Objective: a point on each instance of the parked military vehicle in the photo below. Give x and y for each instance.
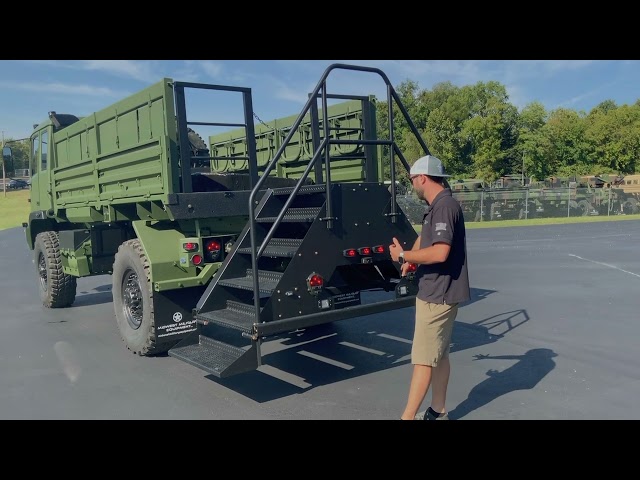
(512, 197)
(503, 199)
(509, 198)
(214, 248)
(563, 196)
(588, 195)
(627, 190)
(470, 193)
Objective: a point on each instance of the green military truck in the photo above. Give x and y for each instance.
(212, 249)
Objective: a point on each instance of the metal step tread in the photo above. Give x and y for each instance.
(278, 247)
(218, 358)
(267, 281)
(242, 308)
(306, 214)
(229, 318)
(305, 189)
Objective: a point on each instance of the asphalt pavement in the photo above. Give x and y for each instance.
(550, 333)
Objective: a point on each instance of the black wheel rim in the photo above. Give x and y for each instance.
(42, 271)
(132, 299)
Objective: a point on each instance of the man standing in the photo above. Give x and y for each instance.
(441, 255)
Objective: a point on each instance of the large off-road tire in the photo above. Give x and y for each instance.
(57, 289)
(198, 148)
(133, 299)
(630, 206)
(585, 207)
(493, 212)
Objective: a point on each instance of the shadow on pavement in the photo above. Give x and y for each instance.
(525, 374)
(96, 296)
(331, 353)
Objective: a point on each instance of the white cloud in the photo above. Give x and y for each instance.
(213, 69)
(135, 69)
(430, 68)
(521, 69)
(517, 96)
(562, 65)
(583, 96)
(138, 70)
(63, 88)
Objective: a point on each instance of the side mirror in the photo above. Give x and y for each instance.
(7, 162)
(6, 154)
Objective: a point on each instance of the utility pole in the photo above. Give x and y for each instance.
(4, 178)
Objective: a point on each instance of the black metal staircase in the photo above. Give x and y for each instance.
(295, 234)
(229, 299)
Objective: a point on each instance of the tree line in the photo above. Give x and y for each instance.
(478, 133)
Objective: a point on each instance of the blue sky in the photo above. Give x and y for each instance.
(31, 88)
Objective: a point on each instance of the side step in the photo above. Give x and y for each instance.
(217, 358)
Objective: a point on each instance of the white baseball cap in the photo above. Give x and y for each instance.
(428, 165)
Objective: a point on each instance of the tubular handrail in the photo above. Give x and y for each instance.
(321, 90)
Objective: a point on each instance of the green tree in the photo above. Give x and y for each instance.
(565, 132)
(614, 137)
(532, 145)
(490, 131)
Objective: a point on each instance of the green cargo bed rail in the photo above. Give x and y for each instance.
(354, 119)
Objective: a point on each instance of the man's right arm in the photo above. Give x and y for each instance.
(405, 266)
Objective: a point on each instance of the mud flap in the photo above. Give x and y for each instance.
(173, 312)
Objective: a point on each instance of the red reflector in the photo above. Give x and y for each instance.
(412, 267)
(378, 249)
(213, 246)
(190, 246)
(315, 281)
(196, 259)
(365, 251)
(350, 252)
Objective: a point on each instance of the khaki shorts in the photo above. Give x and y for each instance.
(432, 335)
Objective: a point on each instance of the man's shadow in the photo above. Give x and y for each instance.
(531, 367)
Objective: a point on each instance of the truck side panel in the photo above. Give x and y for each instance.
(119, 154)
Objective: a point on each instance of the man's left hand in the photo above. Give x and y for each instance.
(394, 249)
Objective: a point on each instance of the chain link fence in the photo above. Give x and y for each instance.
(527, 203)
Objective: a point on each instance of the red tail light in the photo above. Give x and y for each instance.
(190, 246)
(350, 253)
(197, 259)
(213, 248)
(365, 251)
(412, 267)
(378, 249)
(315, 283)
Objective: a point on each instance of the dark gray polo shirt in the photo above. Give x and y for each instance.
(446, 282)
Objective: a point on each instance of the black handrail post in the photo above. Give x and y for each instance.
(315, 137)
(392, 169)
(327, 156)
(251, 137)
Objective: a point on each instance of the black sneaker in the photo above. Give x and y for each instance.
(430, 416)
